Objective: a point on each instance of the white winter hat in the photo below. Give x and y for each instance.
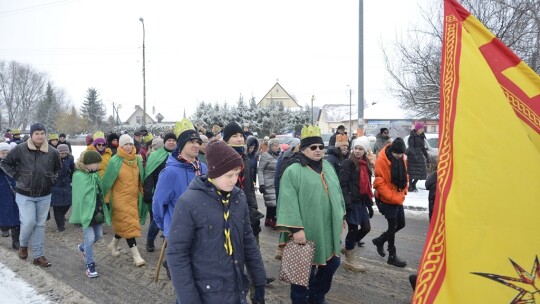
(362, 141)
(125, 139)
(4, 146)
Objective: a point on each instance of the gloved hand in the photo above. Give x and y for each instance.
(370, 210)
(259, 295)
(262, 189)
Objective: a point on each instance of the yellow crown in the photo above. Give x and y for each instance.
(53, 136)
(148, 137)
(98, 134)
(182, 126)
(310, 131)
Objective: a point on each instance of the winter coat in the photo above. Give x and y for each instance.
(35, 171)
(201, 270)
(123, 191)
(105, 158)
(349, 179)
(253, 157)
(281, 165)
(249, 189)
(9, 212)
(387, 191)
(87, 195)
(267, 172)
(417, 156)
(336, 158)
(202, 157)
(381, 141)
(173, 180)
(110, 138)
(61, 190)
(316, 206)
(431, 185)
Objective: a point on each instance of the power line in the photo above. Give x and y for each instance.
(35, 7)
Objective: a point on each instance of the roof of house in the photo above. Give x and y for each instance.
(280, 87)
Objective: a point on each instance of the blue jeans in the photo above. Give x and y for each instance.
(320, 281)
(153, 230)
(33, 212)
(91, 234)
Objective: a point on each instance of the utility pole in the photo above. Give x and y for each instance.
(312, 112)
(350, 111)
(361, 68)
(143, 75)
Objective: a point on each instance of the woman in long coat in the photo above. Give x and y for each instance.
(61, 190)
(416, 156)
(9, 212)
(267, 171)
(122, 184)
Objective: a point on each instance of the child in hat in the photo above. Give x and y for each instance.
(89, 208)
(216, 240)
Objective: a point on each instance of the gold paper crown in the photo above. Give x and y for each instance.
(98, 134)
(182, 126)
(310, 131)
(16, 131)
(53, 136)
(148, 137)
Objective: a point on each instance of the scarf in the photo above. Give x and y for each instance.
(315, 165)
(398, 172)
(196, 165)
(225, 198)
(364, 182)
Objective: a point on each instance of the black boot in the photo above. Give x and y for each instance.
(150, 245)
(379, 242)
(393, 259)
(167, 269)
(15, 232)
(412, 280)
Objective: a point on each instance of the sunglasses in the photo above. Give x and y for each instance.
(100, 145)
(315, 147)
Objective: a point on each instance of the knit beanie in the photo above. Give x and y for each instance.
(36, 127)
(89, 139)
(418, 126)
(125, 139)
(4, 146)
(273, 141)
(363, 142)
(169, 136)
(186, 136)
(157, 143)
(62, 148)
(221, 158)
(62, 135)
(341, 140)
(398, 146)
(91, 157)
(231, 129)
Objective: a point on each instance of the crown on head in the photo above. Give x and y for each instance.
(98, 134)
(53, 136)
(310, 131)
(148, 137)
(182, 126)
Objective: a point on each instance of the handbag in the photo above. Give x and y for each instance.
(296, 263)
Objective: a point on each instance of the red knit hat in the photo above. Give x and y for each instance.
(221, 158)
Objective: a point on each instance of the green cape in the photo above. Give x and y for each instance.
(303, 202)
(154, 160)
(84, 194)
(110, 176)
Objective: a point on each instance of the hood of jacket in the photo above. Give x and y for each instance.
(252, 141)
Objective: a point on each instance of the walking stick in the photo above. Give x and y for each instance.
(161, 254)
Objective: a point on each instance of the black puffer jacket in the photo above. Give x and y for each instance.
(349, 179)
(249, 189)
(416, 156)
(35, 171)
(336, 158)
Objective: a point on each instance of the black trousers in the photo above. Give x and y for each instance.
(60, 215)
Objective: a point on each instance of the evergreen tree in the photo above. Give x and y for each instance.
(93, 111)
(47, 109)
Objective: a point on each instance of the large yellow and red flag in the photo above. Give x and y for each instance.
(484, 239)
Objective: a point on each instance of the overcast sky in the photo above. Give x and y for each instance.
(203, 50)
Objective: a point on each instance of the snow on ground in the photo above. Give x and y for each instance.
(15, 290)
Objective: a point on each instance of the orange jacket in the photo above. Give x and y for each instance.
(387, 192)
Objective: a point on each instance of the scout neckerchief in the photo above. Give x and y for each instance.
(225, 198)
(196, 165)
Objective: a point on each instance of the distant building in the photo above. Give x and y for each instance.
(136, 117)
(278, 94)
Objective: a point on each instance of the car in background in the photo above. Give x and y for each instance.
(432, 147)
(284, 141)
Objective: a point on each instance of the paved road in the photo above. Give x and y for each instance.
(121, 282)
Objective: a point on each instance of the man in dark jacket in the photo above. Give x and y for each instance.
(35, 167)
(340, 130)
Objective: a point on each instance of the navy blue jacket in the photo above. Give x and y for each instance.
(61, 190)
(201, 270)
(9, 212)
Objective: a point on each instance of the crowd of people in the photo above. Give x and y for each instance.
(198, 188)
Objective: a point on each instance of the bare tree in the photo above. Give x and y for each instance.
(415, 70)
(21, 89)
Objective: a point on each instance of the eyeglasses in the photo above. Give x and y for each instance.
(100, 145)
(315, 147)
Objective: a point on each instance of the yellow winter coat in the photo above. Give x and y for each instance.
(105, 157)
(125, 193)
